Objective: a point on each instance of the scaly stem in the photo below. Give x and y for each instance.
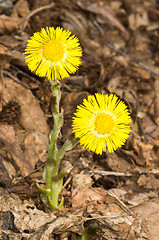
(52, 166)
(51, 175)
(53, 185)
(68, 145)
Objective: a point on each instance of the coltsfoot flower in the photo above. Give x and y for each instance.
(101, 123)
(53, 53)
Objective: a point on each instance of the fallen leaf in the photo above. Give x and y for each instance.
(105, 12)
(148, 212)
(8, 24)
(21, 8)
(138, 18)
(36, 145)
(9, 41)
(7, 136)
(149, 181)
(70, 102)
(118, 164)
(32, 117)
(5, 179)
(82, 181)
(87, 194)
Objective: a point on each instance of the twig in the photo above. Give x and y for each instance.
(25, 74)
(111, 173)
(120, 203)
(110, 44)
(141, 129)
(24, 22)
(15, 79)
(125, 209)
(1, 100)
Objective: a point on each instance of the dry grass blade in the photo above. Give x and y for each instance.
(24, 22)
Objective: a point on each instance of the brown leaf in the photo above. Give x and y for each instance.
(71, 100)
(7, 136)
(8, 24)
(87, 194)
(118, 164)
(156, 87)
(148, 212)
(138, 19)
(149, 181)
(9, 53)
(82, 181)
(6, 168)
(21, 8)
(105, 12)
(5, 56)
(113, 221)
(142, 150)
(9, 41)
(27, 216)
(36, 145)
(32, 117)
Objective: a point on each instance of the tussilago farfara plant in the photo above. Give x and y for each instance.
(101, 123)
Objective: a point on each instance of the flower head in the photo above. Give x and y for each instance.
(102, 122)
(53, 53)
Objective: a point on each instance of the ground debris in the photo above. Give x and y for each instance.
(119, 191)
(31, 223)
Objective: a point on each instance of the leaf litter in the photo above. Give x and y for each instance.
(120, 54)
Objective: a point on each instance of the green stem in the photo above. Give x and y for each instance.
(89, 231)
(52, 165)
(57, 185)
(51, 175)
(58, 120)
(68, 145)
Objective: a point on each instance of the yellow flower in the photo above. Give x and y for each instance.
(101, 123)
(53, 53)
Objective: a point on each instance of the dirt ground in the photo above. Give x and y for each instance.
(118, 191)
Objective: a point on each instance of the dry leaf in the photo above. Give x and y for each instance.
(149, 181)
(7, 136)
(32, 117)
(148, 211)
(26, 216)
(34, 224)
(82, 181)
(9, 41)
(5, 179)
(36, 146)
(21, 8)
(138, 19)
(113, 221)
(8, 24)
(70, 102)
(87, 194)
(118, 164)
(105, 12)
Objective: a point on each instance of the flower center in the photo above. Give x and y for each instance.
(104, 123)
(54, 51)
